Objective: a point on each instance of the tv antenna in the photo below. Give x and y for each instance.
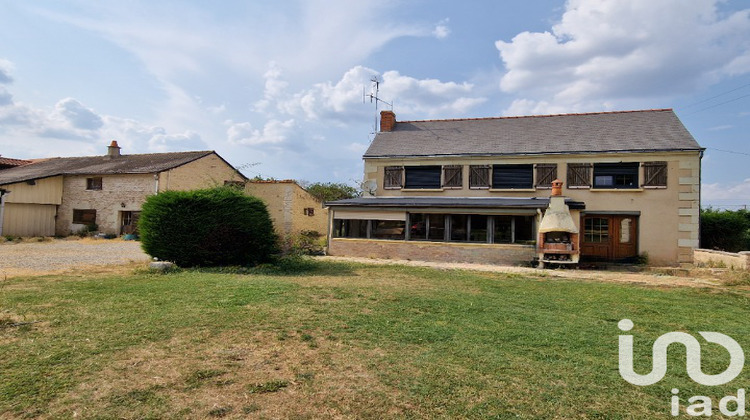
(373, 95)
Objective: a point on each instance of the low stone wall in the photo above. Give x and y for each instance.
(711, 258)
(500, 254)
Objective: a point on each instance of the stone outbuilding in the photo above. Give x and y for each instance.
(292, 208)
(60, 196)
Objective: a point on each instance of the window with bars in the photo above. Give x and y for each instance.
(479, 176)
(655, 174)
(579, 175)
(453, 176)
(545, 174)
(393, 178)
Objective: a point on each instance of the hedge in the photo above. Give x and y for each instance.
(211, 227)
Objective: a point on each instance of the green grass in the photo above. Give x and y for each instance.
(319, 340)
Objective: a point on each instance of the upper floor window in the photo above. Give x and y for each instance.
(655, 174)
(545, 174)
(616, 175)
(579, 175)
(513, 176)
(479, 176)
(393, 176)
(94, 183)
(453, 176)
(422, 177)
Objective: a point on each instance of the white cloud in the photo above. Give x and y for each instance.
(719, 191)
(274, 132)
(604, 53)
(441, 29)
(77, 115)
(342, 100)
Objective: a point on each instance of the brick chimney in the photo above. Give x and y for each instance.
(387, 121)
(113, 150)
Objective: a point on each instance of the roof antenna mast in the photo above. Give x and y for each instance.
(373, 95)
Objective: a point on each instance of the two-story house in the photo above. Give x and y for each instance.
(476, 190)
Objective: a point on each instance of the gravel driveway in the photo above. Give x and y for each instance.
(28, 258)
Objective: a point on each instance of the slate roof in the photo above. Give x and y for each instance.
(452, 202)
(100, 165)
(604, 132)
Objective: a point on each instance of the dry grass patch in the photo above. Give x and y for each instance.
(233, 374)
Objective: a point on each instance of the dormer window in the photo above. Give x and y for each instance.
(94, 183)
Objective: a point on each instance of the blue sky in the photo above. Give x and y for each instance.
(276, 87)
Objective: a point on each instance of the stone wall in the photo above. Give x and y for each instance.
(500, 254)
(712, 258)
(119, 193)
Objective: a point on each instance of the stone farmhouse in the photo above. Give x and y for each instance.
(60, 196)
(478, 190)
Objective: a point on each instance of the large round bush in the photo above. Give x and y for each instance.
(219, 226)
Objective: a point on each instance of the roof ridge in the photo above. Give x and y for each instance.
(540, 116)
(121, 156)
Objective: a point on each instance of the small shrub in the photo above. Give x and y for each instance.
(306, 242)
(212, 227)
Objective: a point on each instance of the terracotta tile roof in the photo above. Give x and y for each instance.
(100, 165)
(13, 162)
(602, 132)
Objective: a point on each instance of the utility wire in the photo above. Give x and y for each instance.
(714, 97)
(728, 151)
(720, 103)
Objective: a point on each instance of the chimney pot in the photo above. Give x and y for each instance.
(387, 121)
(557, 188)
(113, 150)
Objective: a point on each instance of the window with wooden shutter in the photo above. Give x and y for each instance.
(422, 177)
(393, 177)
(545, 174)
(453, 176)
(579, 175)
(655, 174)
(479, 176)
(510, 177)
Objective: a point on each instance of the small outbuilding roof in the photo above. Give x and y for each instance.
(100, 165)
(602, 132)
(452, 202)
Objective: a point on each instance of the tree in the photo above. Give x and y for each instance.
(211, 227)
(331, 191)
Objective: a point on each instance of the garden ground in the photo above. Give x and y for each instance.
(320, 339)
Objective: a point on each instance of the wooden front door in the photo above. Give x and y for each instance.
(609, 237)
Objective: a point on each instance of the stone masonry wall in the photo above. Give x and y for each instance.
(433, 251)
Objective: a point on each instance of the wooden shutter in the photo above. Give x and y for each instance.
(453, 176)
(655, 174)
(393, 177)
(479, 176)
(545, 174)
(579, 174)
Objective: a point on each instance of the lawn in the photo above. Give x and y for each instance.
(327, 340)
